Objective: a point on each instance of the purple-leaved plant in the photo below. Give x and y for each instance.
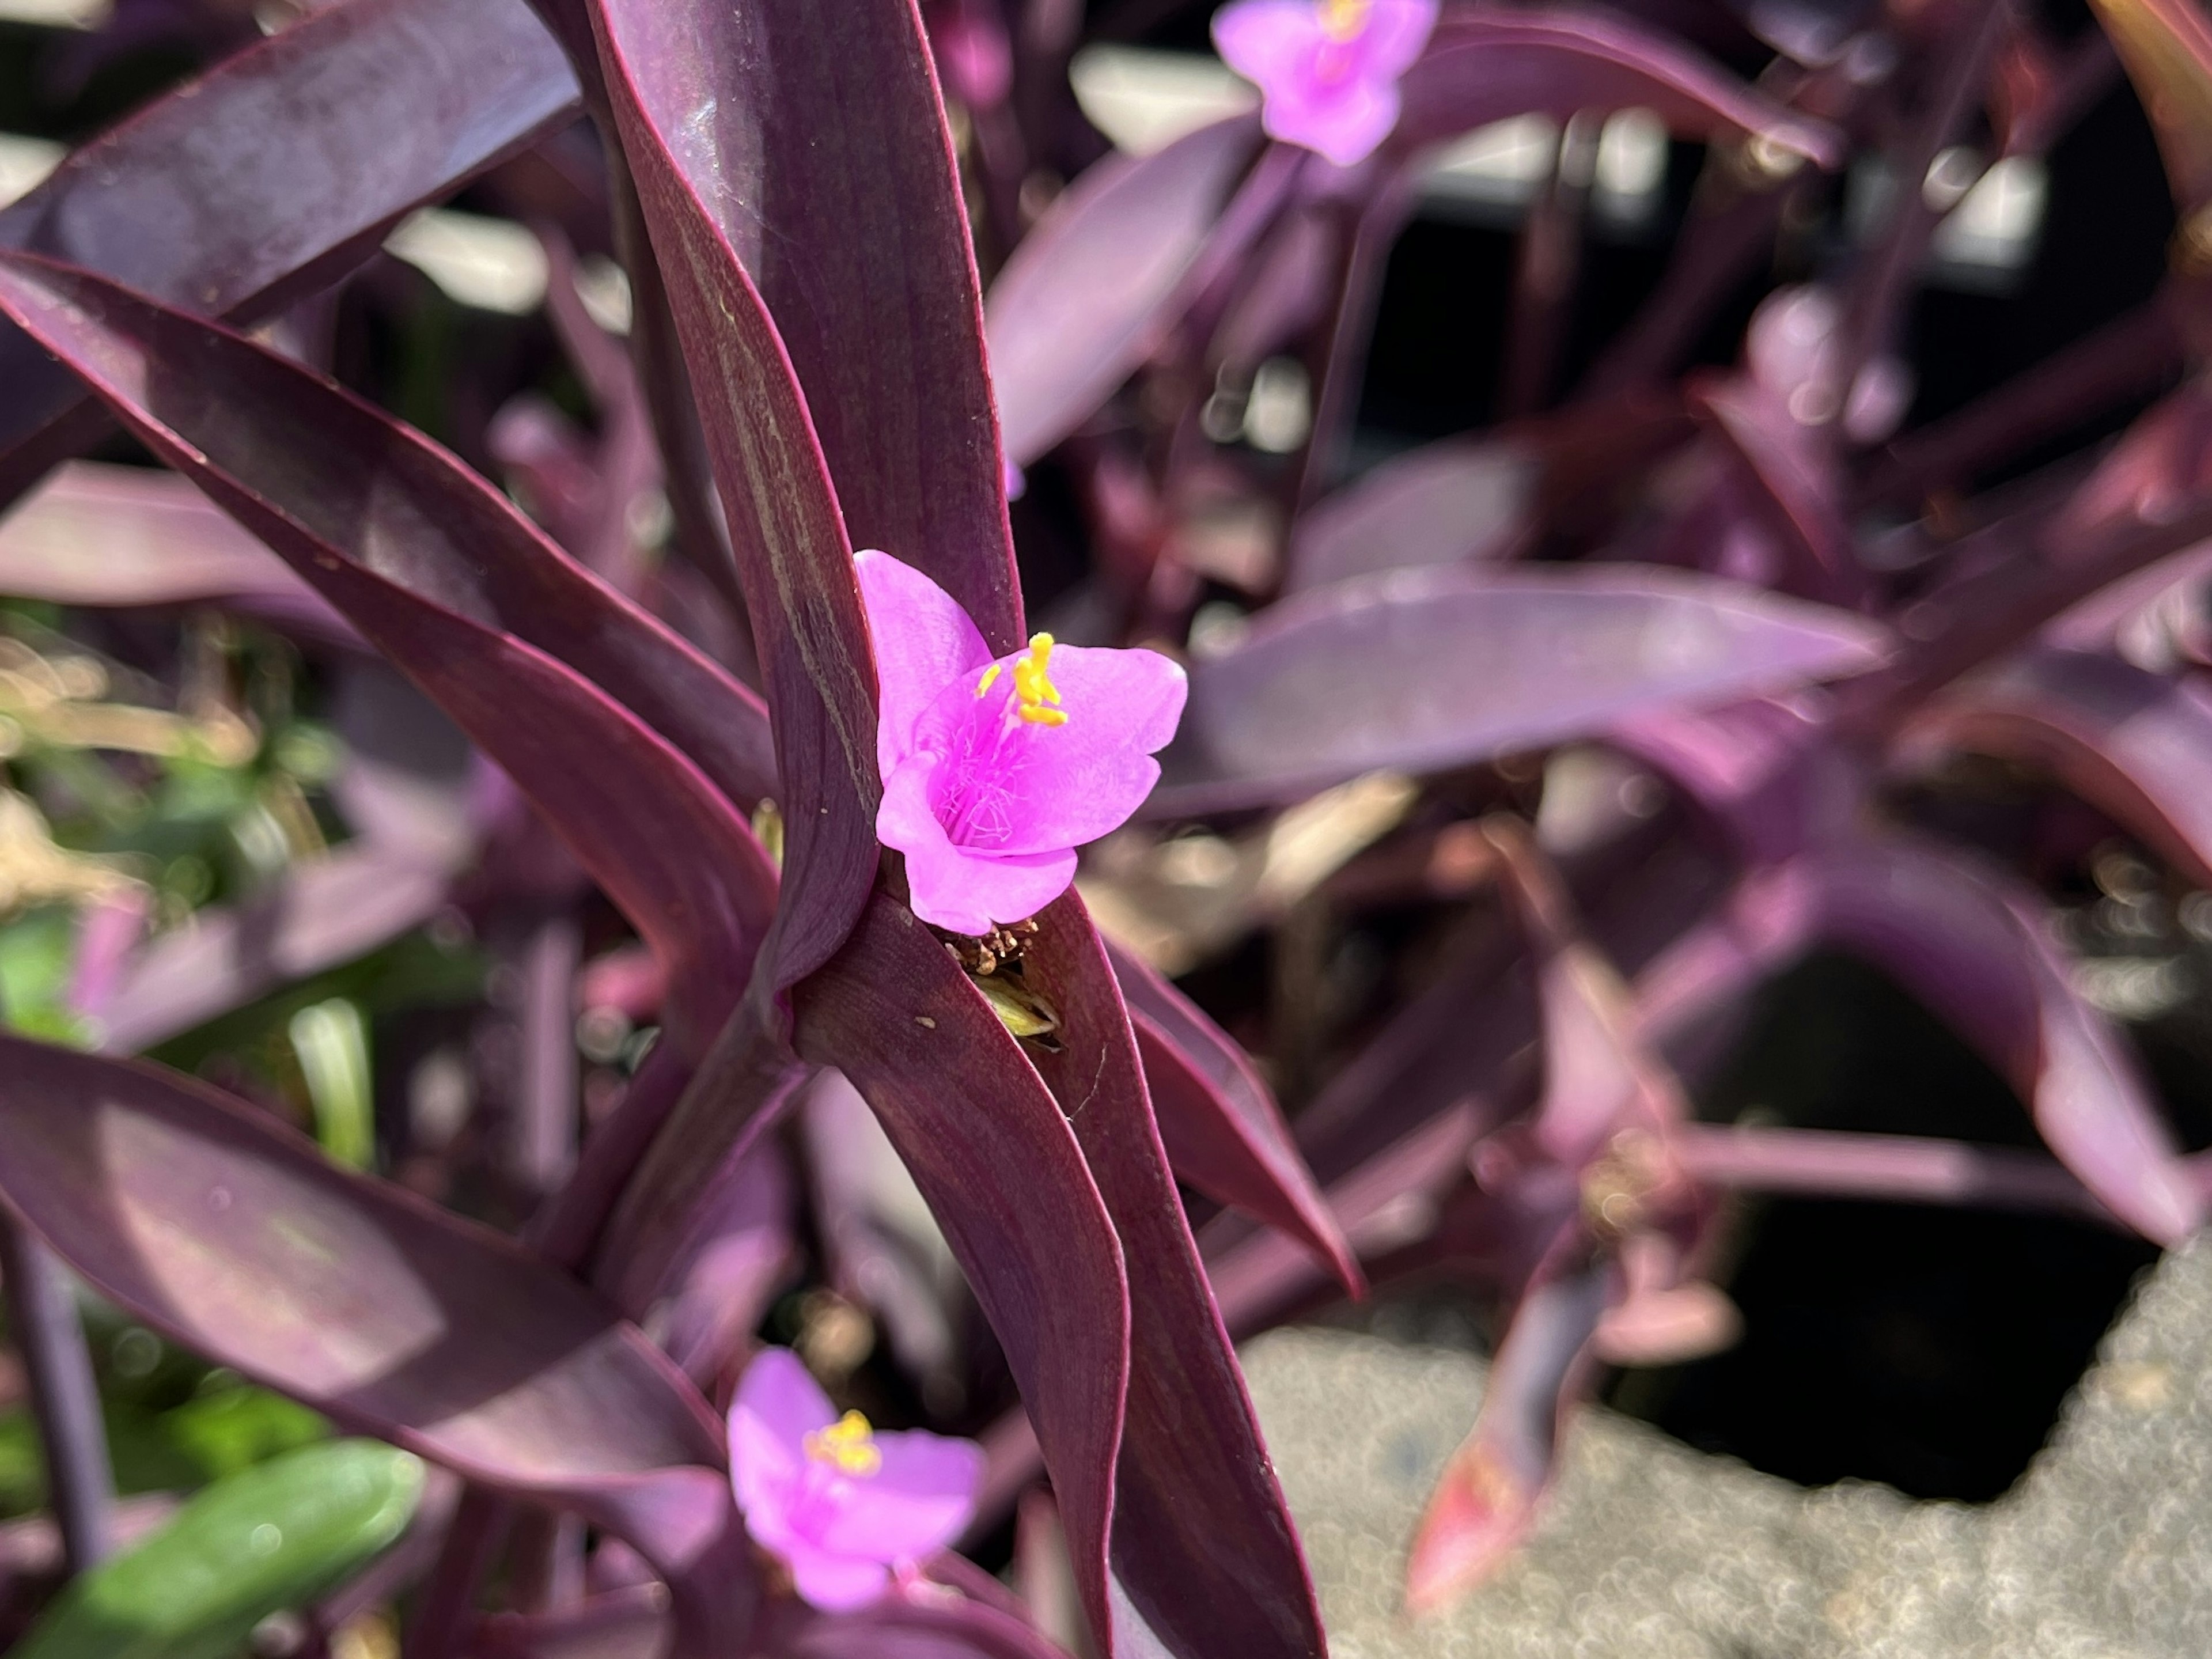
(1611, 711)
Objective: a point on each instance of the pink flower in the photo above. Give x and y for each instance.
(1327, 69)
(996, 770)
(838, 1504)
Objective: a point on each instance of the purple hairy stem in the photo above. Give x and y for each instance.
(64, 1398)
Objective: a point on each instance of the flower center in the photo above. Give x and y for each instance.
(1340, 19)
(849, 1445)
(1033, 687)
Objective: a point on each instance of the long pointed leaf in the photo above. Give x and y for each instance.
(1977, 952)
(1007, 1183)
(1486, 1501)
(882, 317)
(664, 67)
(1421, 670)
(2136, 745)
(1223, 1133)
(1084, 298)
(444, 578)
(1203, 1544)
(1489, 63)
(375, 107)
(240, 1240)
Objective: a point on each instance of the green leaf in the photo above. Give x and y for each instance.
(250, 1545)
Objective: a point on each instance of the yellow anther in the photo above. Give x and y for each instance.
(848, 1442)
(1033, 687)
(990, 675)
(1342, 18)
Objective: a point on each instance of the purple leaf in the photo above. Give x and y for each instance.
(1794, 480)
(1976, 950)
(1486, 63)
(992, 1154)
(1203, 1545)
(238, 1239)
(316, 915)
(1486, 1501)
(1445, 504)
(882, 318)
(280, 168)
(883, 1251)
(1223, 1133)
(664, 65)
(1424, 670)
(739, 1255)
(99, 535)
(2134, 745)
(444, 577)
(1090, 292)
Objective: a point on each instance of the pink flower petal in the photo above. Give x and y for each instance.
(950, 886)
(916, 1504)
(1005, 787)
(777, 1407)
(1266, 40)
(834, 1582)
(1346, 127)
(923, 641)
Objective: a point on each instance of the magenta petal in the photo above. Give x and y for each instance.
(923, 641)
(1346, 124)
(916, 1504)
(777, 1407)
(834, 1582)
(1266, 40)
(967, 892)
(1005, 787)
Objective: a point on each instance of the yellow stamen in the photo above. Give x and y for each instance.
(848, 1442)
(1033, 686)
(990, 674)
(1342, 18)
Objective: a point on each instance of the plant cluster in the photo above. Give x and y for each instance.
(711, 875)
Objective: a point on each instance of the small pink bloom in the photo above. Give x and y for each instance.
(996, 769)
(1328, 70)
(837, 1503)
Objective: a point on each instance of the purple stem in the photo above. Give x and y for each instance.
(1897, 1169)
(2125, 358)
(568, 1224)
(442, 1619)
(1336, 401)
(1712, 256)
(1884, 282)
(1544, 274)
(545, 1119)
(42, 1314)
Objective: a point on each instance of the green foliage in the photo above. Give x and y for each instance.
(252, 1543)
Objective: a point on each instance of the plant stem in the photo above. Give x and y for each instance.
(66, 1399)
